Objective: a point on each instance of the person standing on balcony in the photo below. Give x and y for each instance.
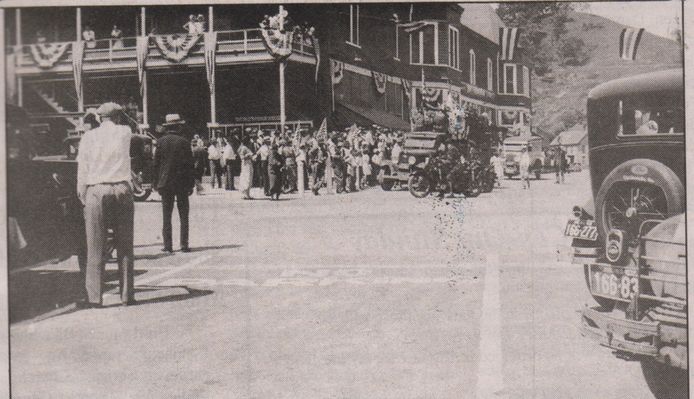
(104, 187)
(200, 24)
(116, 38)
(174, 178)
(215, 156)
(89, 36)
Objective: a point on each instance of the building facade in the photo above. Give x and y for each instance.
(371, 63)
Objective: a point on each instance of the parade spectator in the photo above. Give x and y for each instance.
(365, 165)
(40, 37)
(559, 165)
(104, 187)
(301, 162)
(246, 177)
(228, 160)
(262, 155)
(116, 38)
(290, 169)
(524, 166)
(396, 151)
(173, 178)
(214, 155)
(498, 163)
(191, 25)
(89, 37)
(275, 164)
(198, 164)
(317, 159)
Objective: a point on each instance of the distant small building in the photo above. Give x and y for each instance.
(575, 142)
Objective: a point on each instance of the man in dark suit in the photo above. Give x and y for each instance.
(174, 178)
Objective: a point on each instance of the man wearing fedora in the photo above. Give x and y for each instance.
(105, 188)
(174, 178)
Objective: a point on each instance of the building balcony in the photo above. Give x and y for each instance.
(233, 47)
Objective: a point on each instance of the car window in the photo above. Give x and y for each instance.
(648, 118)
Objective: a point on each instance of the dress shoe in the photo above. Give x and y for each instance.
(167, 249)
(185, 249)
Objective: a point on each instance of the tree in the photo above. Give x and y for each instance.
(572, 51)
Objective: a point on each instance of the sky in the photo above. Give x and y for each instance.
(656, 17)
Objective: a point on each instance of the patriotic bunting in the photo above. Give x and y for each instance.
(77, 59)
(380, 80)
(277, 42)
(210, 41)
(175, 47)
(45, 55)
(316, 50)
(141, 51)
(432, 96)
(406, 87)
(629, 42)
(337, 71)
(415, 25)
(508, 40)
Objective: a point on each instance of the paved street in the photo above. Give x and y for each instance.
(367, 295)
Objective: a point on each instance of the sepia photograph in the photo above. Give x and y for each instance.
(224, 199)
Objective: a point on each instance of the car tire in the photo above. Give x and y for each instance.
(386, 184)
(656, 173)
(425, 190)
(665, 382)
(605, 303)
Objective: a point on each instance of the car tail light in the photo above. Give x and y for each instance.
(615, 246)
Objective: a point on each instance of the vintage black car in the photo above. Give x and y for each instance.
(417, 148)
(45, 222)
(631, 236)
(142, 160)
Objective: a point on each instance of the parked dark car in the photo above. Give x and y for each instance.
(631, 236)
(45, 216)
(417, 147)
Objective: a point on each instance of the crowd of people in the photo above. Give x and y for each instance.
(349, 159)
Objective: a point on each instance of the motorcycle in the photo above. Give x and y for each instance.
(432, 177)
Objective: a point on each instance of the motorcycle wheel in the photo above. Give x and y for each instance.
(419, 185)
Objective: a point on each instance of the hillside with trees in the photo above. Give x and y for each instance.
(572, 52)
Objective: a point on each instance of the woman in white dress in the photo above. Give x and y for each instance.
(246, 176)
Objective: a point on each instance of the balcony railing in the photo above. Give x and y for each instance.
(113, 51)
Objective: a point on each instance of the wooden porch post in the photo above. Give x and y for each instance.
(145, 110)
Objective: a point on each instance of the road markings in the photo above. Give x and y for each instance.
(490, 379)
(194, 262)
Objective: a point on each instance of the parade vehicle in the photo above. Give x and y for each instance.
(630, 238)
(141, 154)
(512, 152)
(416, 148)
(431, 177)
(45, 220)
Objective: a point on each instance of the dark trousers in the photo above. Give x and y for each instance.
(229, 175)
(264, 177)
(216, 172)
(167, 203)
(109, 206)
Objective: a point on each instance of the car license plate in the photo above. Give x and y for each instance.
(584, 230)
(605, 282)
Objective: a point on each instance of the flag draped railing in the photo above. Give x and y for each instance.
(77, 61)
(176, 47)
(45, 55)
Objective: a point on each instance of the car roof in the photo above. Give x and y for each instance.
(668, 80)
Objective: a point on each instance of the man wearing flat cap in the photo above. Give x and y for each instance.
(104, 186)
(174, 178)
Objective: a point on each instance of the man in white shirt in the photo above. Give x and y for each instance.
(214, 155)
(524, 166)
(104, 187)
(263, 153)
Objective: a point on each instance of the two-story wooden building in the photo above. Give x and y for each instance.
(370, 64)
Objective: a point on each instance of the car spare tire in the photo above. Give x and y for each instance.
(635, 191)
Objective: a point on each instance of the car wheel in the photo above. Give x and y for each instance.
(636, 191)
(605, 303)
(665, 382)
(419, 185)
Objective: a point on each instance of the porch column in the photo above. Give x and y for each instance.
(213, 97)
(18, 52)
(145, 110)
(18, 26)
(78, 37)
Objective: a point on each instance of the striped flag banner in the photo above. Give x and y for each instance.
(210, 41)
(77, 60)
(323, 130)
(508, 40)
(629, 42)
(141, 51)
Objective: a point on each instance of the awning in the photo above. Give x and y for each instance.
(347, 114)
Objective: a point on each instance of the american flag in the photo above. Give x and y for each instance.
(629, 42)
(141, 51)
(508, 40)
(77, 58)
(210, 56)
(323, 130)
